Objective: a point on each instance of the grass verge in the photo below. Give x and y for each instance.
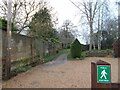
(22, 69)
(85, 53)
(106, 50)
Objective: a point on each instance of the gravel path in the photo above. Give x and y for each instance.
(60, 73)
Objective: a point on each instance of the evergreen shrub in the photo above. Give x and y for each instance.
(76, 49)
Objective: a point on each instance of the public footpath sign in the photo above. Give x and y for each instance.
(103, 74)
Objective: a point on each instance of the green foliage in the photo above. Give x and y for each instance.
(3, 25)
(69, 57)
(83, 55)
(35, 63)
(76, 49)
(108, 50)
(55, 40)
(28, 60)
(41, 25)
(105, 50)
(27, 66)
(52, 40)
(22, 69)
(25, 60)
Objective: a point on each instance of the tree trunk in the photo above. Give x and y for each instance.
(94, 42)
(99, 43)
(90, 19)
(91, 36)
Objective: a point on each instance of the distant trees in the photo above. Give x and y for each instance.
(90, 9)
(65, 34)
(108, 35)
(96, 13)
(103, 15)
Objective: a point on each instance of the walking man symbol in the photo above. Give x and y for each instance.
(103, 74)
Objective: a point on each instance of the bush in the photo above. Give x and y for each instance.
(76, 49)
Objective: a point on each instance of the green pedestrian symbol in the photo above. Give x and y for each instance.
(103, 74)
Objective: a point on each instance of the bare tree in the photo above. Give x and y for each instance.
(90, 9)
(22, 11)
(102, 15)
(66, 33)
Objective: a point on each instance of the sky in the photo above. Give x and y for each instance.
(64, 10)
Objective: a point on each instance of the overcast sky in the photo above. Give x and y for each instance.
(65, 10)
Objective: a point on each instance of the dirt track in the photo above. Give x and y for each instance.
(60, 73)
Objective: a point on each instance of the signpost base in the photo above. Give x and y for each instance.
(100, 74)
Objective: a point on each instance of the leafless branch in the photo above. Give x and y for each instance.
(22, 11)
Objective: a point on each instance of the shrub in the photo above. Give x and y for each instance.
(22, 69)
(76, 49)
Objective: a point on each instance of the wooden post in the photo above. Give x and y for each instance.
(99, 78)
(118, 36)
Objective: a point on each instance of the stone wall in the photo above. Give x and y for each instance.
(21, 46)
(24, 47)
